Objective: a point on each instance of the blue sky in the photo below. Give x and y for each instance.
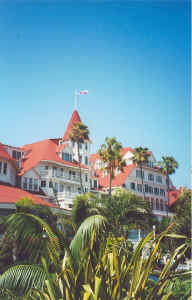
(133, 57)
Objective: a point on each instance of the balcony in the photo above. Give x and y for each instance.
(65, 196)
(64, 176)
(68, 177)
(44, 173)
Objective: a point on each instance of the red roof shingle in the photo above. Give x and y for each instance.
(9, 194)
(119, 178)
(43, 150)
(5, 155)
(174, 195)
(75, 118)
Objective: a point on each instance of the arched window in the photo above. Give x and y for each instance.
(152, 203)
(157, 204)
(161, 204)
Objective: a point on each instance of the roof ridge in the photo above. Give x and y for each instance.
(75, 118)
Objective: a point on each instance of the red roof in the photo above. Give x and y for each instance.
(9, 194)
(43, 150)
(119, 178)
(94, 157)
(173, 195)
(5, 155)
(75, 118)
(125, 150)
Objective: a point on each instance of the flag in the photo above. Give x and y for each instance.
(83, 92)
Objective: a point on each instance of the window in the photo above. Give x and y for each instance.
(146, 188)
(66, 156)
(150, 190)
(14, 154)
(150, 177)
(150, 164)
(86, 161)
(80, 158)
(139, 187)
(0, 166)
(68, 189)
(43, 183)
(157, 204)
(30, 183)
(56, 187)
(73, 144)
(98, 164)
(152, 203)
(35, 184)
(138, 173)
(156, 191)
(46, 168)
(86, 190)
(73, 174)
(18, 155)
(161, 204)
(95, 184)
(70, 205)
(61, 187)
(133, 185)
(61, 172)
(50, 184)
(25, 183)
(5, 169)
(162, 192)
(54, 171)
(86, 178)
(159, 179)
(86, 146)
(80, 146)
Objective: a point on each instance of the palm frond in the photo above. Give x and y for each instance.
(20, 279)
(95, 223)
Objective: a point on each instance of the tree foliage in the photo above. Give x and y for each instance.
(112, 158)
(79, 134)
(168, 166)
(140, 158)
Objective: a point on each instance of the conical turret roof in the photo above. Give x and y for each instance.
(75, 118)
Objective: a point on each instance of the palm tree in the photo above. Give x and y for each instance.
(140, 158)
(168, 166)
(126, 210)
(112, 158)
(99, 273)
(79, 134)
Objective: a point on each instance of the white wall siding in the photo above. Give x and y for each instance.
(10, 176)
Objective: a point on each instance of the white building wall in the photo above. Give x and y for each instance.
(158, 201)
(57, 181)
(10, 175)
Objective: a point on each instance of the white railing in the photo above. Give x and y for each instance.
(66, 195)
(69, 177)
(44, 173)
(162, 212)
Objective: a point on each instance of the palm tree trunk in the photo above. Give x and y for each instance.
(142, 182)
(79, 163)
(110, 182)
(167, 193)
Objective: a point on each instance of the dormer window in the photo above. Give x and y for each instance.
(66, 156)
(98, 164)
